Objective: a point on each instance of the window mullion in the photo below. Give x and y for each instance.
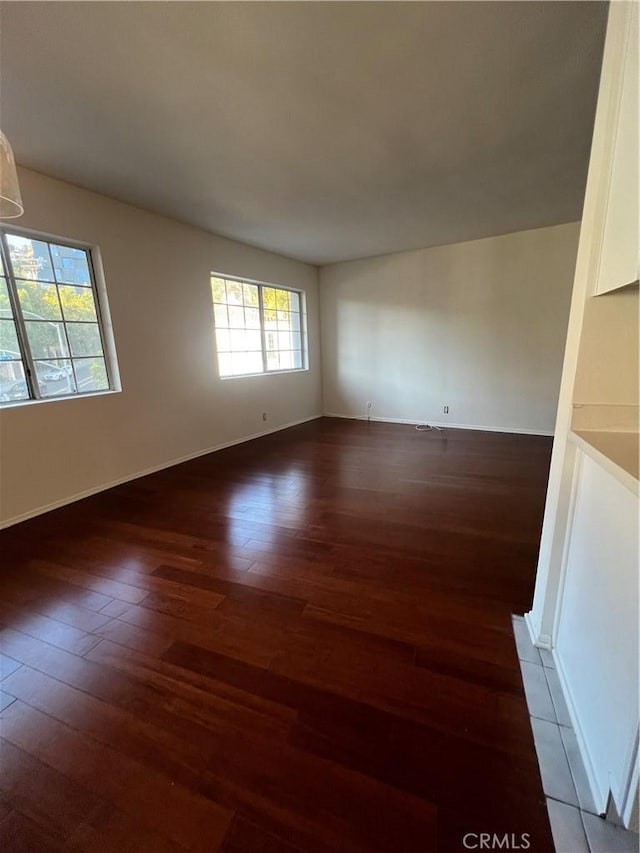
(30, 371)
(62, 321)
(263, 336)
(106, 356)
(304, 340)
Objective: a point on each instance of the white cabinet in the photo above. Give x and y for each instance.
(615, 156)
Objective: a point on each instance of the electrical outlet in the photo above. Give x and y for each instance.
(446, 410)
(264, 416)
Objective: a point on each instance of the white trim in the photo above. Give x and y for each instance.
(571, 514)
(259, 282)
(60, 398)
(48, 237)
(629, 805)
(624, 800)
(229, 376)
(542, 641)
(103, 316)
(260, 285)
(9, 522)
(620, 41)
(599, 796)
(442, 424)
(610, 466)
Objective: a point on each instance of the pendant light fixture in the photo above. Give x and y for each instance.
(10, 198)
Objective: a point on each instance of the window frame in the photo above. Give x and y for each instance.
(103, 320)
(304, 341)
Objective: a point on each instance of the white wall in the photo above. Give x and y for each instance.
(596, 641)
(477, 326)
(172, 403)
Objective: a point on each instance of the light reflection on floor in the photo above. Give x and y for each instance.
(275, 500)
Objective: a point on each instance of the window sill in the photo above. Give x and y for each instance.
(264, 373)
(14, 404)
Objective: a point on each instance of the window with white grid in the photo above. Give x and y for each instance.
(259, 328)
(51, 335)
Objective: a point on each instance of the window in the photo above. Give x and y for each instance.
(259, 329)
(51, 340)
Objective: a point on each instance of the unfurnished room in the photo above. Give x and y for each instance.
(319, 466)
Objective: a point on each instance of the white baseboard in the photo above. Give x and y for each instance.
(442, 424)
(25, 516)
(599, 797)
(542, 641)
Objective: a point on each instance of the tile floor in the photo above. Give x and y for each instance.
(575, 824)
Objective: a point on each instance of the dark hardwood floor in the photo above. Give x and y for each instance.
(302, 643)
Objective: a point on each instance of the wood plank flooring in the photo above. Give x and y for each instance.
(302, 643)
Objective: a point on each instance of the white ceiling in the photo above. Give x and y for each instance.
(324, 131)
